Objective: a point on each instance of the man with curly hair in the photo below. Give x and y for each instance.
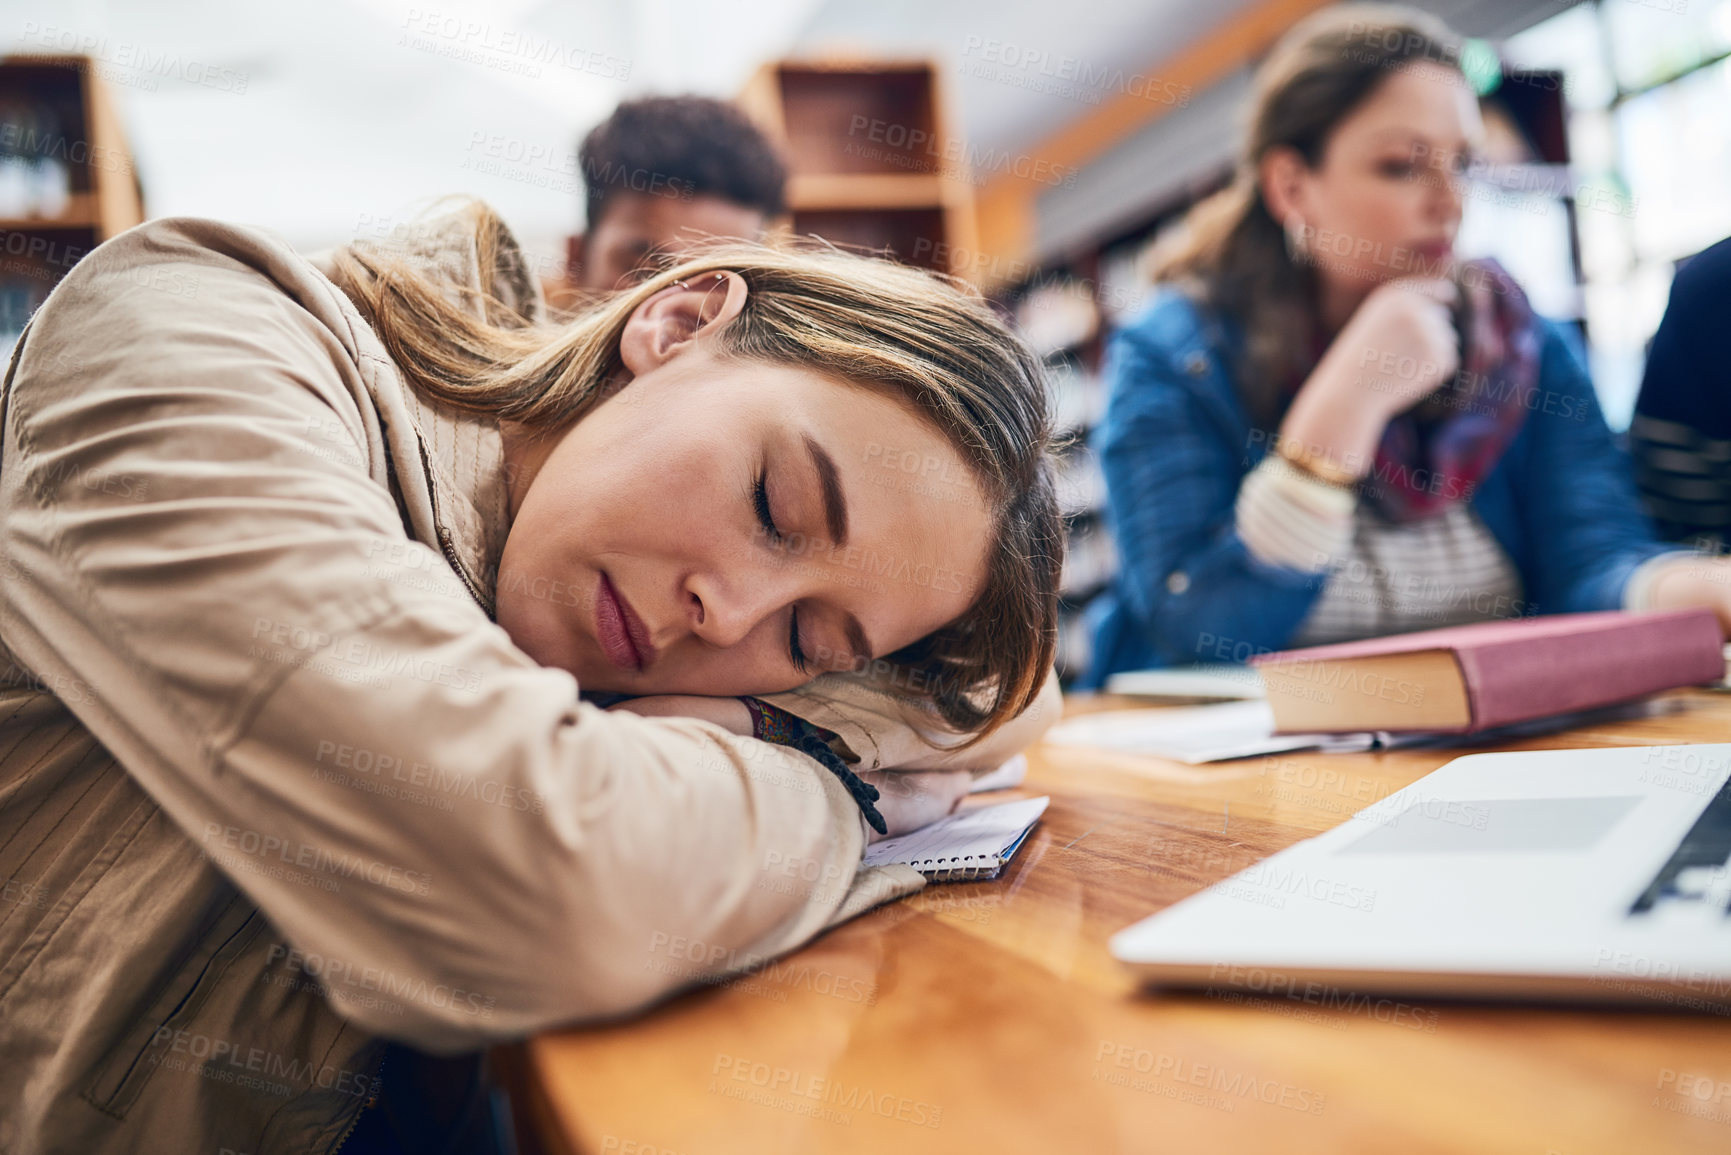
(664, 172)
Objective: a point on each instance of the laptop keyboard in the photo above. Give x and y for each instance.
(1696, 870)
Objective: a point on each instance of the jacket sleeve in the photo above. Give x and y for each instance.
(1172, 475)
(884, 730)
(206, 563)
(1585, 530)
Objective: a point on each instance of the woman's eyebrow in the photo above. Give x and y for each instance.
(835, 515)
(1416, 143)
(856, 639)
(829, 480)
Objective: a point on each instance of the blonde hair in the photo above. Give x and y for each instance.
(853, 318)
(1230, 252)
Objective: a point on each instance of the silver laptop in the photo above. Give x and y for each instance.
(1596, 875)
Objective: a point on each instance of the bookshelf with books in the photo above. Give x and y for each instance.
(1066, 309)
(874, 162)
(67, 182)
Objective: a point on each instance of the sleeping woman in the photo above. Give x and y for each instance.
(314, 570)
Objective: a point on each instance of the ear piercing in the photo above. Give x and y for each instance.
(683, 285)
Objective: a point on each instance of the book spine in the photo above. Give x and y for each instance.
(1527, 678)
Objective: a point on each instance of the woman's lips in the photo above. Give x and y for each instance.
(620, 631)
(1435, 250)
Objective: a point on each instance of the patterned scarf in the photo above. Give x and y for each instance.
(1438, 452)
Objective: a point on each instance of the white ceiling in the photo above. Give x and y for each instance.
(332, 112)
(1118, 41)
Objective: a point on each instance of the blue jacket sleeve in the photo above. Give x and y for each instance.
(1581, 526)
(1174, 447)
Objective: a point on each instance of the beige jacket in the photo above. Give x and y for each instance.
(273, 784)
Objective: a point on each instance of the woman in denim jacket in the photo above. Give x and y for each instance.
(1323, 427)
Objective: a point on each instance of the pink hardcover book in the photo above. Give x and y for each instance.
(1468, 678)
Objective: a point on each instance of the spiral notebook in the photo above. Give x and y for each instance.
(973, 844)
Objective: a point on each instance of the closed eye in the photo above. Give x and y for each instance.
(795, 653)
(766, 520)
(760, 501)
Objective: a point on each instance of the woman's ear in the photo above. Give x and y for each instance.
(1280, 177)
(674, 317)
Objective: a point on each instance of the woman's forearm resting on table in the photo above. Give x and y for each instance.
(931, 773)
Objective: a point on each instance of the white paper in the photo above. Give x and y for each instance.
(1195, 734)
(983, 832)
(1205, 681)
(1199, 734)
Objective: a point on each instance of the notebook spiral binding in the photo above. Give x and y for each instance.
(969, 867)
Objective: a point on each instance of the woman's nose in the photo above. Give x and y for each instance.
(1450, 196)
(726, 607)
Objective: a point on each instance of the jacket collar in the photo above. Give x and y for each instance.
(449, 464)
(462, 458)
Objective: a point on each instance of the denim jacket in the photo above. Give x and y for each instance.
(1175, 443)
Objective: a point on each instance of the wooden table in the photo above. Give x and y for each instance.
(989, 1017)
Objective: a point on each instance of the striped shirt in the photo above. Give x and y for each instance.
(1396, 577)
(1387, 577)
(1685, 478)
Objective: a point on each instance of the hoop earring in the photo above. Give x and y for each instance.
(719, 277)
(1297, 244)
(687, 288)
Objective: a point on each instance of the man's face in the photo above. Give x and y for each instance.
(638, 226)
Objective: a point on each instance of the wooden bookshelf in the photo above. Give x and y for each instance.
(874, 159)
(69, 180)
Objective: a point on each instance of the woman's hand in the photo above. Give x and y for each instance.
(910, 799)
(728, 713)
(1398, 347)
(1690, 581)
(1401, 343)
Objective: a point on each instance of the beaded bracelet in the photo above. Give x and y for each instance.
(773, 724)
